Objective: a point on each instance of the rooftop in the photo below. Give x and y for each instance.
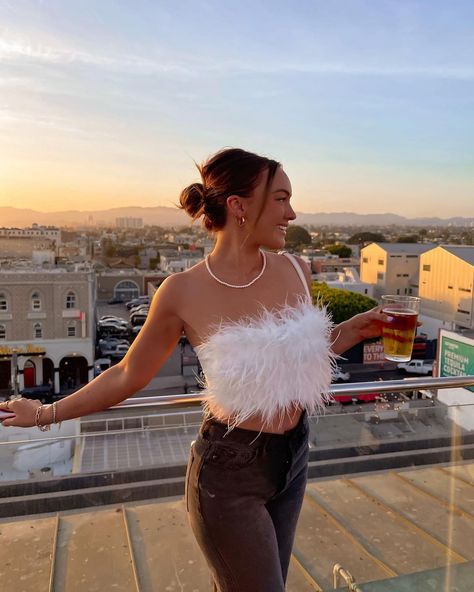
(378, 526)
(464, 252)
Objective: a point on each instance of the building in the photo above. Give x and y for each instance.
(129, 222)
(47, 326)
(392, 268)
(446, 288)
(347, 279)
(48, 232)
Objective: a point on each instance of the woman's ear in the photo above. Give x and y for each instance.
(235, 205)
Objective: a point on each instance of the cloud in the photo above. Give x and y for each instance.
(16, 47)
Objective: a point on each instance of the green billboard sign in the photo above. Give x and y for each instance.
(456, 358)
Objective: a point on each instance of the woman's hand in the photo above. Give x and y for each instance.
(364, 325)
(24, 410)
(368, 324)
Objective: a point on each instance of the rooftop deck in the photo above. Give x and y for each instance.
(378, 526)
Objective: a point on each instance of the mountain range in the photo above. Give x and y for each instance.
(168, 216)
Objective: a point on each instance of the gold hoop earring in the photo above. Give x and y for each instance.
(241, 221)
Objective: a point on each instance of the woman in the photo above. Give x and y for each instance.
(267, 355)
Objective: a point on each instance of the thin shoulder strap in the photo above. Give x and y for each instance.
(299, 271)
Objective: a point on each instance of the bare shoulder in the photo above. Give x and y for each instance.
(280, 257)
(176, 287)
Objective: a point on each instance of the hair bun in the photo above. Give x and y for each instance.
(192, 200)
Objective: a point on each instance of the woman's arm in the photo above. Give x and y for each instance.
(153, 345)
(364, 325)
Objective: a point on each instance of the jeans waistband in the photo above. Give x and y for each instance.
(212, 429)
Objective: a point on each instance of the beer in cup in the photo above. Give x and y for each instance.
(400, 328)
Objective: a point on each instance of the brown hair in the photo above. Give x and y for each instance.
(228, 172)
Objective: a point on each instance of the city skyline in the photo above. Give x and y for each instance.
(369, 109)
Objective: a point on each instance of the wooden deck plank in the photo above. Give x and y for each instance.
(440, 484)
(26, 551)
(166, 554)
(321, 542)
(387, 538)
(464, 471)
(431, 516)
(93, 553)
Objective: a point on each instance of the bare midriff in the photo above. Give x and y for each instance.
(279, 425)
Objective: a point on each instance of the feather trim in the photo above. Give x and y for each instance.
(266, 365)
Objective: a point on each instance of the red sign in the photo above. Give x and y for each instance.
(373, 353)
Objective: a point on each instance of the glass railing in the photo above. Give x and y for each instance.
(390, 493)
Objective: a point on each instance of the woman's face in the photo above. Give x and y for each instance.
(269, 230)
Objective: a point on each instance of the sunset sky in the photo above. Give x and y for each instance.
(368, 104)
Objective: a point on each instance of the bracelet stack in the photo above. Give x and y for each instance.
(39, 411)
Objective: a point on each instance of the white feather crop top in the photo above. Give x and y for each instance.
(267, 365)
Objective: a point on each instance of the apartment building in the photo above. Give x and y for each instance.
(447, 287)
(393, 268)
(47, 327)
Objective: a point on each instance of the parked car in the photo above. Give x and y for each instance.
(112, 341)
(138, 318)
(120, 351)
(417, 367)
(339, 374)
(42, 392)
(112, 329)
(119, 322)
(115, 301)
(137, 301)
(140, 308)
(111, 318)
(100, 365)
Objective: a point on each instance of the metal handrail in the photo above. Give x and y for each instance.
(349, 388)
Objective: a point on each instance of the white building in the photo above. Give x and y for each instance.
(392, 268)
(447, 289)
(129, 222)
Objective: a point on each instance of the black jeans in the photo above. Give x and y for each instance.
(244, 492)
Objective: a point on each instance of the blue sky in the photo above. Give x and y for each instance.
(368, 104)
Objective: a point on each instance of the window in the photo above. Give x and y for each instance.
(410, 291)
(465, 290)
(380, 261)
(405, 275)
(3, 332)
(398, 291)
(365, 259)
(3, 301)
(426, 267)
(365, 291)
(71, 330)
(468, 312)
(450, 287)
(380, 276)
(71, 299)
(412, 256)
(35, 301)
(37, 331)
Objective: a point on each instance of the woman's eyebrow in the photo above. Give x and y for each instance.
(282, 191)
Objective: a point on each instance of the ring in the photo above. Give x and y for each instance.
(7, 404)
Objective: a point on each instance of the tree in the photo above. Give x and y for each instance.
(342, 251)
(366, 237)
(341, 304)
(297, 235)
(407, 238)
